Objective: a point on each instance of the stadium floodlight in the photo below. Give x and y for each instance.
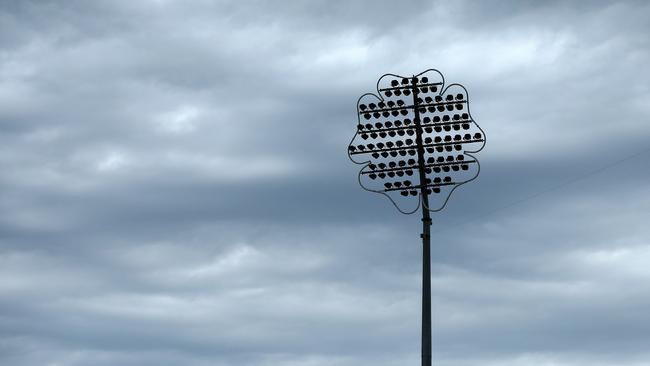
(415, 139)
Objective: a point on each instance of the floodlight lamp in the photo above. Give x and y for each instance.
(431, 114)
(419, 145)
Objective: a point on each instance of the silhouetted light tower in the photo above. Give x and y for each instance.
(415, 139)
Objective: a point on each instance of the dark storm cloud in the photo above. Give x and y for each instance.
(175, 186)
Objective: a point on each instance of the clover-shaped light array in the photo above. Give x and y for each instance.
(415, 138)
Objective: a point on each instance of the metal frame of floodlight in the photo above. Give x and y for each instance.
(411, 150)
(431, 124)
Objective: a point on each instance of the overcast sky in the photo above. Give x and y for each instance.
(175, 187)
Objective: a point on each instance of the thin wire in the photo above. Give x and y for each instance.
(545, 191)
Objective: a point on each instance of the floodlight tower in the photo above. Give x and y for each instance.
(441, 157)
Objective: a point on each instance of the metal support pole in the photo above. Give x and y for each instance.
(426, 289)
(426, 234)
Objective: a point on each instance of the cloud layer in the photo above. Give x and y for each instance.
(176, 188)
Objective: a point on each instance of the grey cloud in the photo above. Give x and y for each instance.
(176, 190)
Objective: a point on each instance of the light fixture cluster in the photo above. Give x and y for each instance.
(415, 138)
